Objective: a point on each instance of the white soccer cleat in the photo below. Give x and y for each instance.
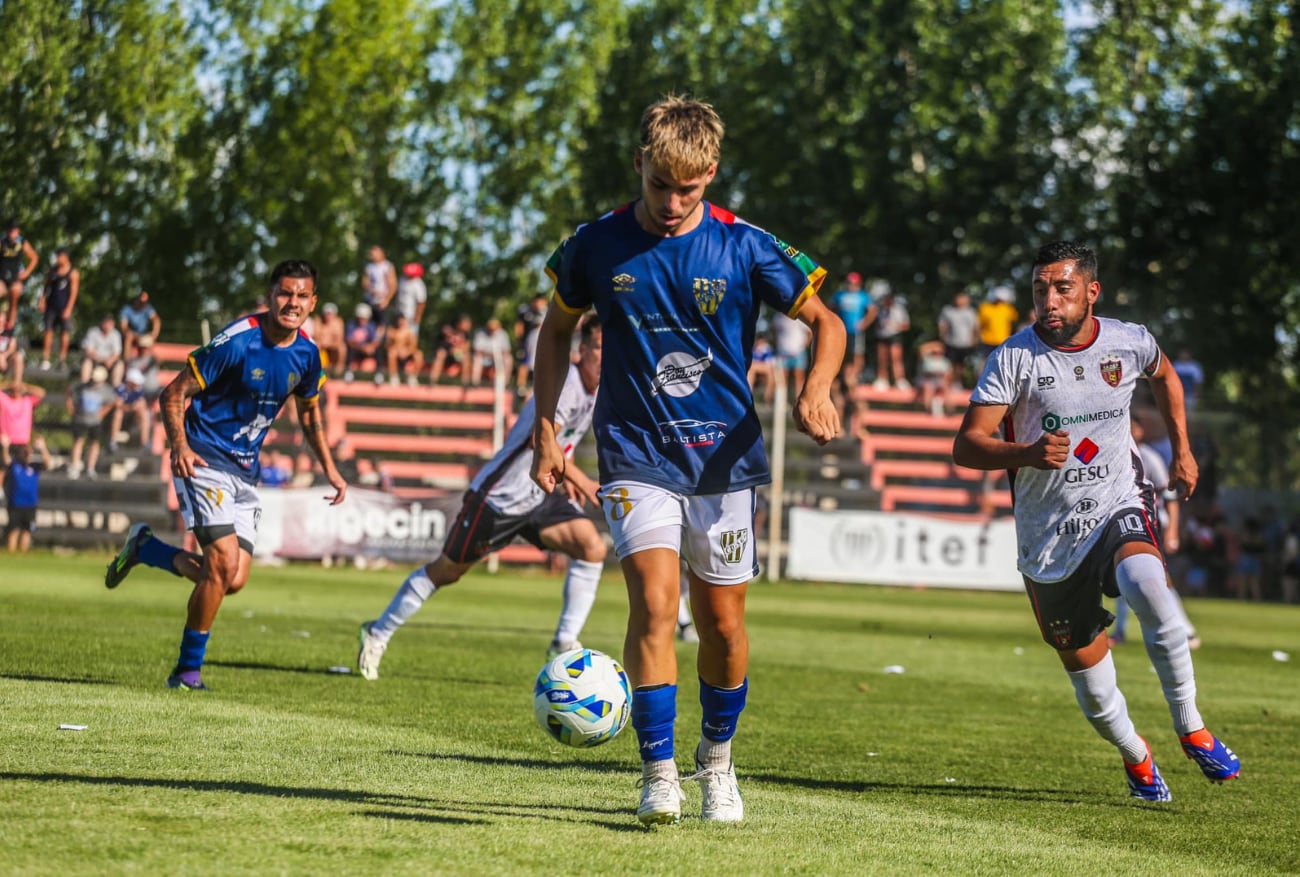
(370, 653)
(687, 633)
(661, 798)
(722, 801)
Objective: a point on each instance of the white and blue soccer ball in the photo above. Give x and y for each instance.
(582, 698)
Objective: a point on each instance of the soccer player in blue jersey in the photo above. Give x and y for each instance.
(678, 283)
(236, 386)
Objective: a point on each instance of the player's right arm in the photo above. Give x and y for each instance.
(172, 408)
(977, 445)
(550, 368)
(33, 260)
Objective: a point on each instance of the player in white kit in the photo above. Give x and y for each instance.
(503, 502)
(1061, 391)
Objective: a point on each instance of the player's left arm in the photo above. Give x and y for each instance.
(1167, 390)
(814, 412)
(313, 430)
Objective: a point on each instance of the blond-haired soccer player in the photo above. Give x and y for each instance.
(1085, 521)
(678, 283)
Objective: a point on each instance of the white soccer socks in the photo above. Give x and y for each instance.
(1104, 706)
(579, 595)
(417, 588)
(1143, 582)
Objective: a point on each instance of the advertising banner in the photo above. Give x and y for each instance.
(894, 548)
(299, 524)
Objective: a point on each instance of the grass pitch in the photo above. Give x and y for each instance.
(975, 760)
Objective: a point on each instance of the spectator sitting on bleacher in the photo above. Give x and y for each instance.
(140, 357)
(402, 349)
(451, 356)
(131, 399)
(491, 351)
(362, 338)
(89, 403)
(102, 345)
(933, 376)
(138, 319)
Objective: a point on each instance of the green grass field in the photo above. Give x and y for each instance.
(974, 761)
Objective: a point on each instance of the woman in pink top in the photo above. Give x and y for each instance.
(17, 402)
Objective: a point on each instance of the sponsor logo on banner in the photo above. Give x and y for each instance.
(1112, 369)
(679, 374)
(733, 544)
(691, 433)
(371, 524)
(708, 294)
(900, 548)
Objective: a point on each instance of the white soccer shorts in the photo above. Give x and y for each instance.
(216, 503)
(714, 534)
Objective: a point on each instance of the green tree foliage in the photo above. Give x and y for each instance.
(95, 99)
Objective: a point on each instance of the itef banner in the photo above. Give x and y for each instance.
(299, 524)
(893, 548)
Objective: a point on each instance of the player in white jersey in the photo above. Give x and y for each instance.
(1061, 390)
(503, 502)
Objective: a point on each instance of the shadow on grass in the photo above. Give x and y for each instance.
(66, 680)
(279, 668)
(944, 790)
(455, 812)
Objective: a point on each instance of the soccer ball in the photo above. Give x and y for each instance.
(582, 698)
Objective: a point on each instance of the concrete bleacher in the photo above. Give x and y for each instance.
(909, 455)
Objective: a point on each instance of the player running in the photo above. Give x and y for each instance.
(236, 386)
(678, 283)
(502, 502)
(1085, 522)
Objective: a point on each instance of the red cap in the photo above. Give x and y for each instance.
(854, 277)
(413, 269)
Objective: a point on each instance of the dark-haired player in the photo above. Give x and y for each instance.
(1061, 391)
(236, 386)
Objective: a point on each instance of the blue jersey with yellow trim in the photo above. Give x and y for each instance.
(245, 381)
(678, 315)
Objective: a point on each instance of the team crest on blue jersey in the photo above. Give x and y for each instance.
(623, 282)
(708, 294)
(733, 544)
(259, 374)
(1112, 369)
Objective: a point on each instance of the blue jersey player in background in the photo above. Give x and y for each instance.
(678, 283)
(236, 386)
